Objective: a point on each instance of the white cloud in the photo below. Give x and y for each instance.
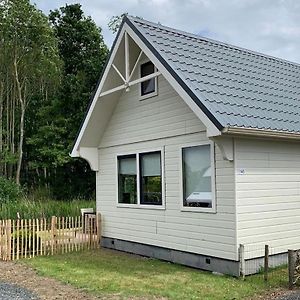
(269, 26)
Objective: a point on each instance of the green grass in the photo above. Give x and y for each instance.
(29, 208)
(110, 273)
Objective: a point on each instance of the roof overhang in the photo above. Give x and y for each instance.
(263, 133)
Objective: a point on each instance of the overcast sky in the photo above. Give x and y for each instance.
(268, 26)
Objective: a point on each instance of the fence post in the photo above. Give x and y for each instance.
(266, 264)
(53, 233)
(291, 262)
(98, 227)
(8, 228)
(242, 260)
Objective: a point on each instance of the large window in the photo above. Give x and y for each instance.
(197, 176)
(148, 87)
(140, 179)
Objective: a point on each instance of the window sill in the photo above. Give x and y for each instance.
(156, 207)
(212, 210)
(147, 96)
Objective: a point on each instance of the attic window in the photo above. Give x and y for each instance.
(148, 87)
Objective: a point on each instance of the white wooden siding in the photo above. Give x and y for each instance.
(164, 121)
(268, 194)
(161, 116)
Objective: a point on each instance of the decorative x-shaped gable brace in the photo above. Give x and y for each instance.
(120, 73)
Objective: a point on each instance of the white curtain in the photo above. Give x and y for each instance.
(196, 169)
(127, 166)
(151, 164)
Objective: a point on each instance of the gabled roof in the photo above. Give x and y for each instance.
(234, 87)
(232, 90)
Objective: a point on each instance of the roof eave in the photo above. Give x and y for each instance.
(264, 133)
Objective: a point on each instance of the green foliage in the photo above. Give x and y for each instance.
(83, 52)
(10, 192)
(44, 208)
(8, 157)
(107, 273)
(49, 67)
(116, 21)
(30, 70)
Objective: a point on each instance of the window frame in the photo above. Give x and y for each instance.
(212, 209)
(137, 155)
(153, 94)
(118, 175)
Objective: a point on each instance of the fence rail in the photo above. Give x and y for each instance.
(35, 237)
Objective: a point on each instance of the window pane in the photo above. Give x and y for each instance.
(150, 166)
(147, 69)
(147, 86)
(127, 179)
(197, 176)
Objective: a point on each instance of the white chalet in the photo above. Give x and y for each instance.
(195, 145)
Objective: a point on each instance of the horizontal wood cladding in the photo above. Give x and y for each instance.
(268, 194)
(167, 123)
(212, 234)
(164, 115)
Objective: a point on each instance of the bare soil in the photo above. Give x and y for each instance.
(51, 289)
(42, 287)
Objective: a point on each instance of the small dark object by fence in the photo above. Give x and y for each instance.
(294, 267)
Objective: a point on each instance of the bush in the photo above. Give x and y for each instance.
(9, 191)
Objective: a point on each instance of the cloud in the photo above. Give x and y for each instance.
(269, 26)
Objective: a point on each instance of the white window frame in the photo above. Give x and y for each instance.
(137, 155)
(212, 209)
(150, 95)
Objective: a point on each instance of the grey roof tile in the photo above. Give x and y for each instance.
(238, 87)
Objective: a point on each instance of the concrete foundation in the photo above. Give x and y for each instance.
(198, 261)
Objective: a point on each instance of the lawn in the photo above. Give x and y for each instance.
(111, 273)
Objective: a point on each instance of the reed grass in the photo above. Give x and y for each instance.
(33, 208)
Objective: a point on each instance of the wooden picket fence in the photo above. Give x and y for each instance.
(35, 237)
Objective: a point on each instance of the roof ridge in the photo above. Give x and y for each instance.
(199, 37)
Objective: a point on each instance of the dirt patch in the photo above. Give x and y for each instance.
(51, 289)
(45, 288)
(42, 287)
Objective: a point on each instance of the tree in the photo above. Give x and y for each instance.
(31, 67)
(116, 21)
(83, 52)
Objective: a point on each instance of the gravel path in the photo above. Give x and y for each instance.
(290, 296)
(14, 292)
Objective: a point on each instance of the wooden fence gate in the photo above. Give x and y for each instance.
(35, 237)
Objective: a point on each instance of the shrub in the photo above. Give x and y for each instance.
(9, 191)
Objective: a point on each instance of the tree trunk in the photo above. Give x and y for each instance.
(1, 125)
(22, 117)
